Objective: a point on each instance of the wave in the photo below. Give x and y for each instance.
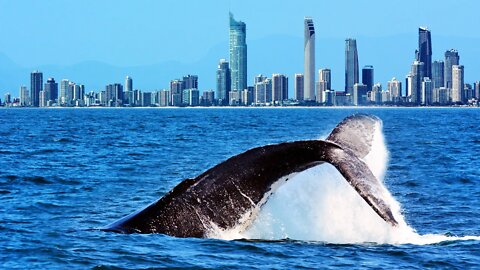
(320, 205)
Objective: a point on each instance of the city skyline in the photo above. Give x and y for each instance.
(325, 38)
(420, 89)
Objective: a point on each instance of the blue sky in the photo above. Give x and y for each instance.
(146, 32)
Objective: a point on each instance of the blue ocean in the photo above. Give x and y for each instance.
(65, 173)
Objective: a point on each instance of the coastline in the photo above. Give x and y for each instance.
(249, 107)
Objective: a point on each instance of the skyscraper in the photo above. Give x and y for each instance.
(324, 84)
(394, 86)
(451, 58)
(191, 97)
(476, 87)
(376, 93)
(128, 84)
(63, 97)
(70, 94)
(24, 99)
(427, 91)
(190, 93)
(79, 92)
(36, 85)
(128, 97)
(247, 96)
(279, 88)
(190, 82)
(208, 98)
(416, 84)
(164, 98)
(238, 55)
(425, 51)
(437, 74)
(457, 83)
(351, 65)
(299, 86)
(259, 89)
(113, 93)
(359, 94)
(176, 90)
(368, 77)
(51, 90)
(309, 59)
(262, 90)
(8, 99)
(223, 82)
(42, 99)
(408, 86)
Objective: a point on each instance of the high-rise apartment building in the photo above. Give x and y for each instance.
(476, 87)
(113, 94)
(425, 51)
(63, 96)
(164, 98)
(247, 96)
(191, 97)
(238, 55)
(427, 91)
(259, 89)
(299, 86)
(176, 90)
(457, 83)
(128, 97)
(42, 99)
(351, 65)
(223, 82)
(51, 90)
(376, 93)
(262, 90)
(208, 98)
(279, 88)
(24, 98)
(438, 74)
(394, 86)
(451, 58)
(324, 84)
(36, 85)
(309, 60)
(359, 94)
(416, 84)
(190, 82)
(128, 84)
(79, 93)
(368, 77)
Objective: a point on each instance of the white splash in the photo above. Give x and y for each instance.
(319, 205)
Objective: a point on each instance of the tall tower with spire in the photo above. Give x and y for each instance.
(309, 60)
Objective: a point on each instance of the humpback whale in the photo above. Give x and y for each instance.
(231, 193)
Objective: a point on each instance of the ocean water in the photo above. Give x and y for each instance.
(64, 173)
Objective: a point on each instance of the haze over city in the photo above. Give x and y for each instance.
(148, 41)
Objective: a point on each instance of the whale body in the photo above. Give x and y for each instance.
(231, 193)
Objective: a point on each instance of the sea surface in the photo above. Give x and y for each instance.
(65, 173)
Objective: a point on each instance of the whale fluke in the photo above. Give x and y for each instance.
(230, 193)
(356, 133)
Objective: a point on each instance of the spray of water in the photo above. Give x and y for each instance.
(319, 205)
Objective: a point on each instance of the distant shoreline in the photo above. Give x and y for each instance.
(247, 107)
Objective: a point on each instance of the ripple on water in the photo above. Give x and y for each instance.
(58, 182)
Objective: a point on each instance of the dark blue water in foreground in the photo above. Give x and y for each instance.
(65, 172)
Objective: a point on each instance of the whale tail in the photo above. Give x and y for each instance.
(356, 133)
(355, 136)
(231, 192)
